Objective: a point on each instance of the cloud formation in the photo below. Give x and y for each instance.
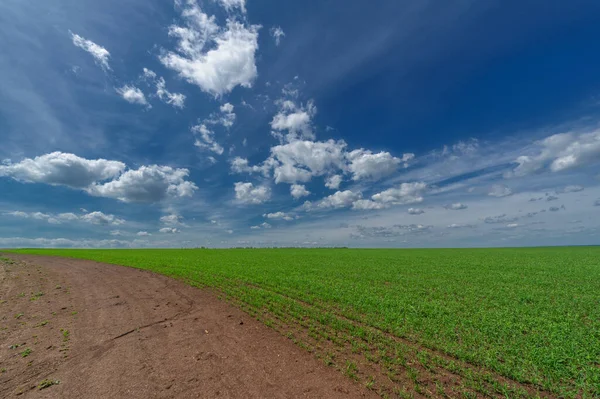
(97, 218)
(247, 193)
(133, 95)
(560, 152)
(277, 33)
(214, 58)
(100, 54)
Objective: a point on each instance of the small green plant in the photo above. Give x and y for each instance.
(36, 296)
(65, 334)
(26, 352)
(43, 323)
(19, 315)
(47, 383)
(3, 370)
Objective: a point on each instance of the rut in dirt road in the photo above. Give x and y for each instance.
(104, 331)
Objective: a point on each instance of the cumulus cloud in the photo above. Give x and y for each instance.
(294, 119)
(364, 164)
(170, 230)
(365, 204)
(143, 234)
(277, 33)
(97, 218)
(100, 54)
(299, 160)
(456, 207)
(205, 139)
(225, 118)
(147, 184)
(499, 190)
(298, 191)
(247, 193)
(58, 168)
(406, 193)
(172, 219)
(560, 152)
(101, 219)
(133, 95)
(279, 215)
(340, 199)
(214, 58)
(333, 182)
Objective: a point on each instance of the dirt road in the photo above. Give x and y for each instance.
(90, 330)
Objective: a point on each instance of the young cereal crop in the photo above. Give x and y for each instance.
(494, 322)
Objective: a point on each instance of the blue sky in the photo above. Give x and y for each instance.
(242, 122)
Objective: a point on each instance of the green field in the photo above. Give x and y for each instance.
(414, 323)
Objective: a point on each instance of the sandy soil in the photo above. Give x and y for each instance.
(104, 331)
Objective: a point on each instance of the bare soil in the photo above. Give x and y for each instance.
(91, 330)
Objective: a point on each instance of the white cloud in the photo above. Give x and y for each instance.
(226, 118)
(172, 220)
(295, 119)
(366, 165)
(101, 219)
(133, 95)
(365, 204)
(340, 199)
(415, 211)
(230, 5)
(298, 191)
(457, 206)
(560, 152)
(102, 178)
(406, 193)
(100, 54)
(147, 184)
(177, 100)
(499, 190)
(265, 225)
(205, 139)
(97, 218)
(279, 215)
(58, 168)
(214, 58)
(299, 160)
(143, 234)
(333, 182)
(170, 230)
(277, 34)
(248, 194)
